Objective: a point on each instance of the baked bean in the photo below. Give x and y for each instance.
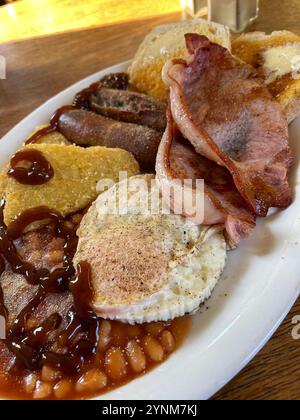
(154, 328)
(30, 382)
(133, 331)
(49, 374)
(92, 381)
(42, 390)
(104, 337)
(153, 349)
(167, 340)
(62, 389)
(115, 363)
(179, 326)
(124, 352)
(118, 334)
(136, 356)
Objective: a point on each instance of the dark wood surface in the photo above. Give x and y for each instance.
(40, 68)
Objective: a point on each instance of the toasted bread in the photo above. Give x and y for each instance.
(277, 59)
(164, 43)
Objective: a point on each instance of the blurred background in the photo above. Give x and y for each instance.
(23, 19)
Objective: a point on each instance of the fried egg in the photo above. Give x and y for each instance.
(147, 265)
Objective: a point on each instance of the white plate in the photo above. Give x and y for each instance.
(258, 288)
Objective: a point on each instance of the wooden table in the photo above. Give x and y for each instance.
(40, 68)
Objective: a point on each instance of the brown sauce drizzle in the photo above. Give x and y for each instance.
(51, 128)
(30, 348)
(39, 172)
(81, 100)
(82, 319)
(3, 310)
(55, 281)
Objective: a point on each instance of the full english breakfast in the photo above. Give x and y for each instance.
(100, 275)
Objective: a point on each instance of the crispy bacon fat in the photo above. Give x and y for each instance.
(229, 117)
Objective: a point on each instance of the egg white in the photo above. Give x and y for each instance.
(196, 256)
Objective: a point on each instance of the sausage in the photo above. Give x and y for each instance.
(89, 129)
(130, 107)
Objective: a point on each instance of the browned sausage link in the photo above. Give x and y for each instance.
(88, 129)
(129, 106)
